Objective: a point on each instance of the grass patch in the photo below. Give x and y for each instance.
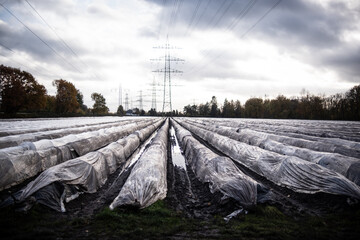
(267, 222)
(153, 222)
(159, 221)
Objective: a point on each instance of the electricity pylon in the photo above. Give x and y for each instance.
(167, 70)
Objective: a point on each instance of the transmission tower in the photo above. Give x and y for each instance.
(126, 101)
(120, 95)
(167, 70)
(153, 100)
(141, 101)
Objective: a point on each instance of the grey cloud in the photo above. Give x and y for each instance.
(22, 40)
(346, 61)
(307, 30)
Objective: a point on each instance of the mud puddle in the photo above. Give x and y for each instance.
(186, 194)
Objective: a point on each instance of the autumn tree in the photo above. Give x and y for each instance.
(353, 102)
(254, 108)
(50, 104)
(214, 111)
(204, 109)
(191, 110)
(239, 111)
(80, 100)
(20, 91)
(228, 109)
(99, 106)
(66, 97)
(120, 111)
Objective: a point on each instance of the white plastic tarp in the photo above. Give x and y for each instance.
(87, 173)
(25, 161)
(220, 172)
(288, 171)
(333, 161)
(147, 181)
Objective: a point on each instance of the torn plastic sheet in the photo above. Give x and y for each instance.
(83, 174)
(25, 161)
(147, 181)
(220, 172)
(344, 165)
(288, 171)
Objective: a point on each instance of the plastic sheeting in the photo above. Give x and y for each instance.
(14, 140)
(84, 174)
(25, 161)
(304, 128)
(16, 126)
(317, 141)
(333, 161)
(220, 172)
(288, 171)
(147, 181)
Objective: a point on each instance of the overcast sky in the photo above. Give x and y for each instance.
(233, 49)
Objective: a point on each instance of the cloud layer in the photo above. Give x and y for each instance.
(232, 49)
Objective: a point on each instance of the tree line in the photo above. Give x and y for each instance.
(20, 92)
(341, 106)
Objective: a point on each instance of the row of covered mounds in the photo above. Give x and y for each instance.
(10, 127)
(22, 162)
(15, 140)
(220, 172)
(147, 181)
(300, 128)
(338, 144)
(345, 165)
(286, 171)
(65, 181)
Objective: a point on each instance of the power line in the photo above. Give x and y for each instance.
(233, 24)
(202, 13)
(243, 35)
(161, 18)
(193, 15)
(25, 67)
(260, 19)
(223, 14)
(43, 41)
(60, 38)
(167, 70)
(217, 12)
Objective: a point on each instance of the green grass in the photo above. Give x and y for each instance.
(159, 221)
(153, 222)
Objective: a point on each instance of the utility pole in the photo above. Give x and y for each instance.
(167, 70)
(153, 100)
(141, 101)
(126, 101)
(120, 94)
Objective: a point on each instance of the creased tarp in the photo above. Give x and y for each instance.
(304, 128)
(316, 143)
(332, 161)
(288, 171)
(87, 173)
(14, 140)
(147, 181)
(16, 126)
(220, 172)
(25, 161)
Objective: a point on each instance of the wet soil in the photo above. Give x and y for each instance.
(187, 196)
